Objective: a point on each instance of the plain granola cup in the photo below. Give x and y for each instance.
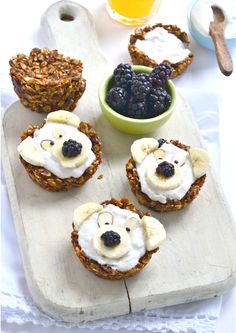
(170, 205)
(140, 58)
(45, 178)
(106, 271)
(46, 81)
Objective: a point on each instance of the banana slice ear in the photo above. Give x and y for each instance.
(30, 153)
(84, 211)
(65, 117)
(155, 232)
(142, 147)
(200, 160)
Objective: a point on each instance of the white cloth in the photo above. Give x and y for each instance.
(17, 306)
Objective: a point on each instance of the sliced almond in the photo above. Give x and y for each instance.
(159, 153)
(180, 158)
(57, 133)
(131, 224)
(105, 218)
(47, 144)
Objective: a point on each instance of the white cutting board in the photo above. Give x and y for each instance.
(197, 260)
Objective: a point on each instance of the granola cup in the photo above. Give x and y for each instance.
(140, 58)
(170, 205)
(47, 81)
(106, 271)
(51, 182)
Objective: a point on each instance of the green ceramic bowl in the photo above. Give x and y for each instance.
(131, 125)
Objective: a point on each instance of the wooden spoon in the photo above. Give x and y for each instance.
(216, 30)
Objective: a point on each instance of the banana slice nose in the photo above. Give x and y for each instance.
(112, 252)
(162, 183)
(70, 162)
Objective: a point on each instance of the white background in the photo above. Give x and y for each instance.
(20, 32)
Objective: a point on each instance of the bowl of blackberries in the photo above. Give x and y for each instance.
(138, 99)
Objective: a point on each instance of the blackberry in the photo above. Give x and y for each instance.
(165, 169)
(110, 238)
(137, 109)
(168, 101)
(160, 74)
(123, 75)
(71, 148)
(158, 101)
(161, 142)
(140, 86)
(117, 99)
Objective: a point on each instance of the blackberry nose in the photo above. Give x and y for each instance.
(71, 148)
(110, 238)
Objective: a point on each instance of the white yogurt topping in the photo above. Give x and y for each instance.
(51, 163)
(137, 239)
(202, 15)
(178, 193)
(161, 45)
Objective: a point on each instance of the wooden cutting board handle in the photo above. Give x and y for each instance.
(222, 53)
(69, 28)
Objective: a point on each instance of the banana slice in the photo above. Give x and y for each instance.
(70, 162)
(155, 232)
(29, 152)
(84, 211)
(142, 147)
(200, 160)
(115, 252)
(164, 183)
(65, 117)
